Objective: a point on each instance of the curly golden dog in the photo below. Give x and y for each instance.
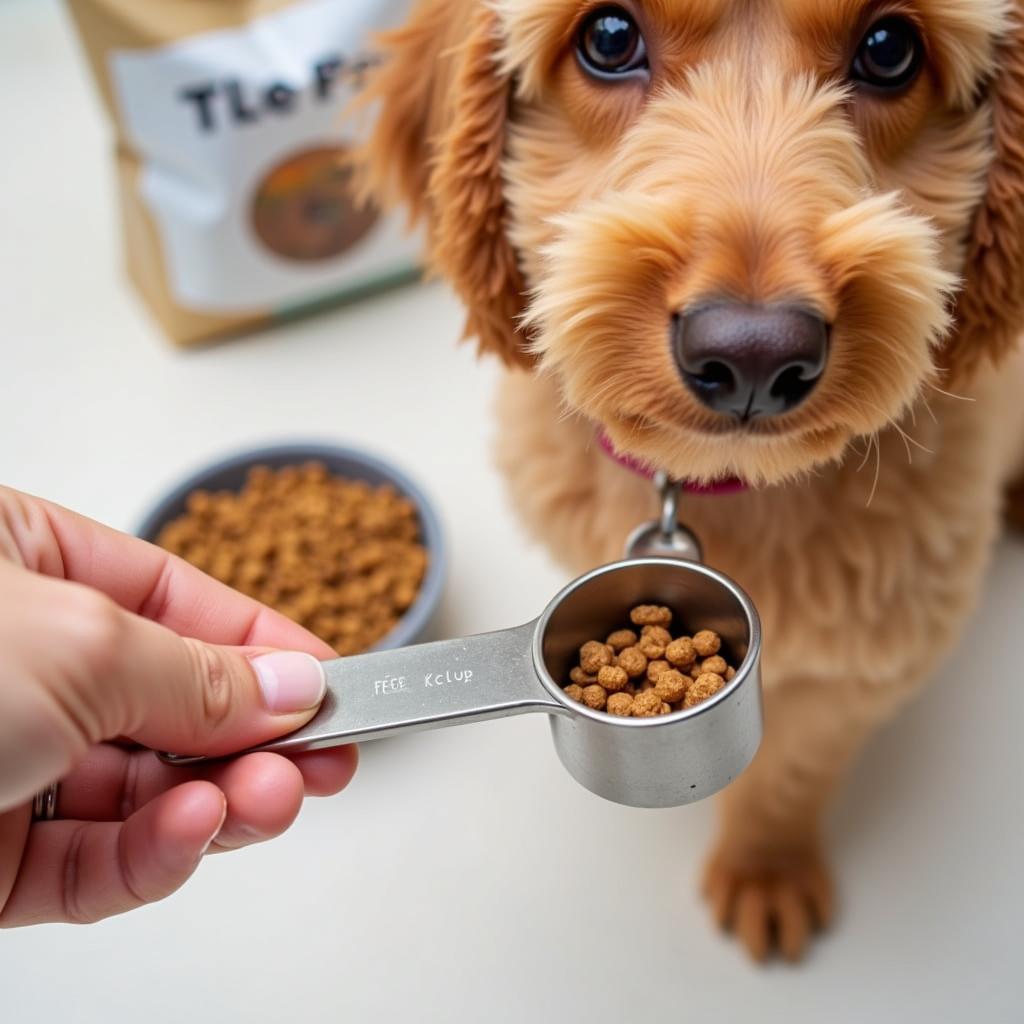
(774, 248)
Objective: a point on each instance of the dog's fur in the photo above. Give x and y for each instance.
(573, 218)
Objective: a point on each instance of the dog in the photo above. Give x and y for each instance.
(775, 249)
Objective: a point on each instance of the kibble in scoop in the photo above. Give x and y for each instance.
(652, 674)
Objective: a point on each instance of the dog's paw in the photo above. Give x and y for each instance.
(771, 904)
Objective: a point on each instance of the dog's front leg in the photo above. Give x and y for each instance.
(767, 878)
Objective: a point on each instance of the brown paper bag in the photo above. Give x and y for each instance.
(230, 146)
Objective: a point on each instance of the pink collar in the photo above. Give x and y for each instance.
(727, 485)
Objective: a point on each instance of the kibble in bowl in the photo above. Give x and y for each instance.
(337, 540)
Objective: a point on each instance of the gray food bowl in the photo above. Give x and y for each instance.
(230, 475)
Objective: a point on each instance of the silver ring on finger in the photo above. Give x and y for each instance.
(44, 806)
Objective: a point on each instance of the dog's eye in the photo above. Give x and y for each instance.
(610, 44)
(889, 55)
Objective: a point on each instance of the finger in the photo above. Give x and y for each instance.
(111, 783)
(81, 872)
(326, 772)
(14, 826)
(265, 797)
(149, 581)
(263, 792)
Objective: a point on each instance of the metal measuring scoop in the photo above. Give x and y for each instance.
(665, 761)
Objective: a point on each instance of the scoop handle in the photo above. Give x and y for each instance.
(370, 696)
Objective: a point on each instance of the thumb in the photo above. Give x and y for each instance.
(116, 674)
(190, 697)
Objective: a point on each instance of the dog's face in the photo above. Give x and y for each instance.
(731, 229)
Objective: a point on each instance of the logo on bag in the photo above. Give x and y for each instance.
(304, 210)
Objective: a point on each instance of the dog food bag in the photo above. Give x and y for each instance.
(231, 141)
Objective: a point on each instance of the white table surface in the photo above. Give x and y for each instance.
(463, 876)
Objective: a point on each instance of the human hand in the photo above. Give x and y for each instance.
(95, 675)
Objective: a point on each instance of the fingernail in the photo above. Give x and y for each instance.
(216, 831)
(290, 681)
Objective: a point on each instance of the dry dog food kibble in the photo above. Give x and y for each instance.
(594, 656)
(646, 705)
(681, 652)
(339, 556)
(671, 686)
(612, 678)
(655, 668)
(650, 675)
(650, 615)
(704, 686)
(620, 704)
(632, 661)
(706, 642)
(621, 639)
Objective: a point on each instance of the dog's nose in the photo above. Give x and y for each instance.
(749, 361)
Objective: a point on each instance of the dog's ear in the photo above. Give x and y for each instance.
(990, 307)
(437, 146)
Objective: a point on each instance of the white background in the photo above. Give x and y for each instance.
(463, 876)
